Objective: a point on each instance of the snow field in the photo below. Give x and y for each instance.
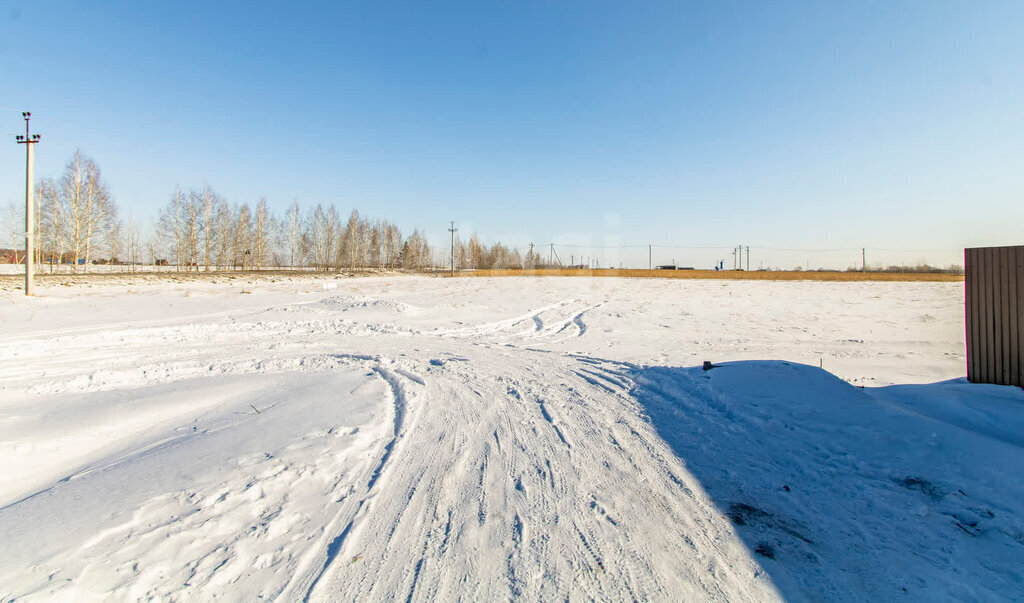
(426, 438)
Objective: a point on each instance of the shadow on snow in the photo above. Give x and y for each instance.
(841, 492)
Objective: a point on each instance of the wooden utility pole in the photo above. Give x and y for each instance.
(863, 260)
(29, 140)
(748, 258)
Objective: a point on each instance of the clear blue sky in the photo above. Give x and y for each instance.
(788, 124)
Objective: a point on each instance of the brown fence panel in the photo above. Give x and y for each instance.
(1020, 312)
(994, 314)
(970, 316)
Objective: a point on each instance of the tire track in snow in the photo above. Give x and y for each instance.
(475, 494)
(481, 471)
(400, 404)
(545, 322)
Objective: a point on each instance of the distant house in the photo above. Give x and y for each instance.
(12, 256)
(161, 263)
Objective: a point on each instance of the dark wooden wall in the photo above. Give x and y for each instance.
(995, 313)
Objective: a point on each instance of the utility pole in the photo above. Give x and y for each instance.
(734, 259)
(551, 251)
(748, 258)
(532, 267)
(452, 230)
(863, 260)
(29, 140)
(650, 257)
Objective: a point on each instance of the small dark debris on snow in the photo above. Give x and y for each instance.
(765, 550)
(786, 488)
(971, 527)
(708, 365)
(921, 485)
(742, 513)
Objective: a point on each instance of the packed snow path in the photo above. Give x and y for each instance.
(366, 445)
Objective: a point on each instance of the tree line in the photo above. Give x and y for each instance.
(78, 224)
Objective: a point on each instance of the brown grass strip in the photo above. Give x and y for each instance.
(758, 275)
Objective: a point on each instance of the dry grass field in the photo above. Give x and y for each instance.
(14, 282)
(759, 275)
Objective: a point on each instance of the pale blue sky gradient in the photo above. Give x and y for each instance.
(786, 124)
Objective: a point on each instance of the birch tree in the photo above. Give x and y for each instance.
(208, 201)
(51, 222)
(294, 234)
(261, 234)
(242, 236)
(225, 221)
(115, 241)
(100, 211)
(351, 240)
(72, 186)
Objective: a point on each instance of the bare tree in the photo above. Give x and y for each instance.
(260, 234)
(294, 234)
(115, 240)
(100, 210)
(192, 209)
(154, 242)
(415, 252)
(208, 201)
(224, 238)
(51, 224)
(375, 239)
(173, 229)
(72, 187)
(476, 253)
(134, 243)
(242, 238)
(350, 240)
(317, 235)
(461, 254)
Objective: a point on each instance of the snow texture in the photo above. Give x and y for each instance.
(483, 439)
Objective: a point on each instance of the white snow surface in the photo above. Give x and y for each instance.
(477, 439)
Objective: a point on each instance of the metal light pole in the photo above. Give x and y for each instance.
(29, 140)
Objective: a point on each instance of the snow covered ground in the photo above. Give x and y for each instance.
(429, 438)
